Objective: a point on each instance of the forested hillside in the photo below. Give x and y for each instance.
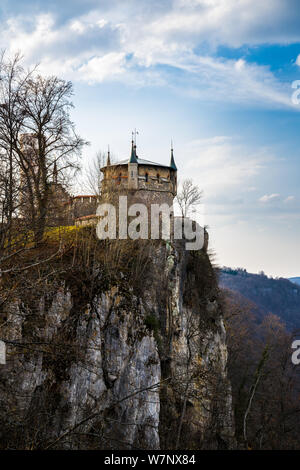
(277, 296)
(265, 383)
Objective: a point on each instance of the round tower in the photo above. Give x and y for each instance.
(143, 181)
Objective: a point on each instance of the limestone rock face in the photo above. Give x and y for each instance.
(129, 369)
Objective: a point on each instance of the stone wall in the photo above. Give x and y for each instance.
(149, 177)
(153, 178)
(80, 206)
(86, 221)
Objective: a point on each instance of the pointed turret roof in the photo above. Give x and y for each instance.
(172, 162)
(140, 161)
(133, 158)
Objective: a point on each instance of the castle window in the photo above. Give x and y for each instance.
(119, 178)
(157, 176)
(146, 177)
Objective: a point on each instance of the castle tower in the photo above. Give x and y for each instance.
(174, 170)
(143, 181)
(133, 168)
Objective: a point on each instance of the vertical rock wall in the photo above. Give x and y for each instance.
(131, 369)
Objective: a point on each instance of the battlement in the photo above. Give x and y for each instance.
(142, 180)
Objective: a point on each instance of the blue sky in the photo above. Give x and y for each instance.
(214, 75)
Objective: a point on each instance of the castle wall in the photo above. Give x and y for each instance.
(142, 184)
(115, 176)
(149, 197)
(150, 178)
(155, 179)
(86, 221)
(80, 206)
(133, 180)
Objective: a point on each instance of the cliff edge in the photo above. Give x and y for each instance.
(126, 358)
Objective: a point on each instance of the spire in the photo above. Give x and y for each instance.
(108, 158)
(172, 162)
(133, 158)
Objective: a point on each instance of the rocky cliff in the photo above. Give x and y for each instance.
(112, 363)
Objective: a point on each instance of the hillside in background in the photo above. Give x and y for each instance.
(295, 280)
(278, 296)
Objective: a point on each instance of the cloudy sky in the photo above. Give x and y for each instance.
(216, 76)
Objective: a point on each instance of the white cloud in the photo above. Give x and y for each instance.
(98, 69)
(144, 46)
(269, 197)
(232, 80)
(222, 164)
(289, 199)
(230, 22)
(17, 37)
(62, 48)
(81, 27)
(276, 197)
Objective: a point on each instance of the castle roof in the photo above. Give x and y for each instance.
(134, 158)
(172, 162)
(140, 161)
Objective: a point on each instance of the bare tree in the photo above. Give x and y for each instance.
(12, 78)
(37, 133)
(257, 378)
(188, 197)
(46, 105)
(93, 175)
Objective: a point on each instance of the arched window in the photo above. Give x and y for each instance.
(146, 177)
(119, 178)
(157, 176)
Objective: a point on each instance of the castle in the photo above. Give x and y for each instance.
(146, 179)
(142, 181)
